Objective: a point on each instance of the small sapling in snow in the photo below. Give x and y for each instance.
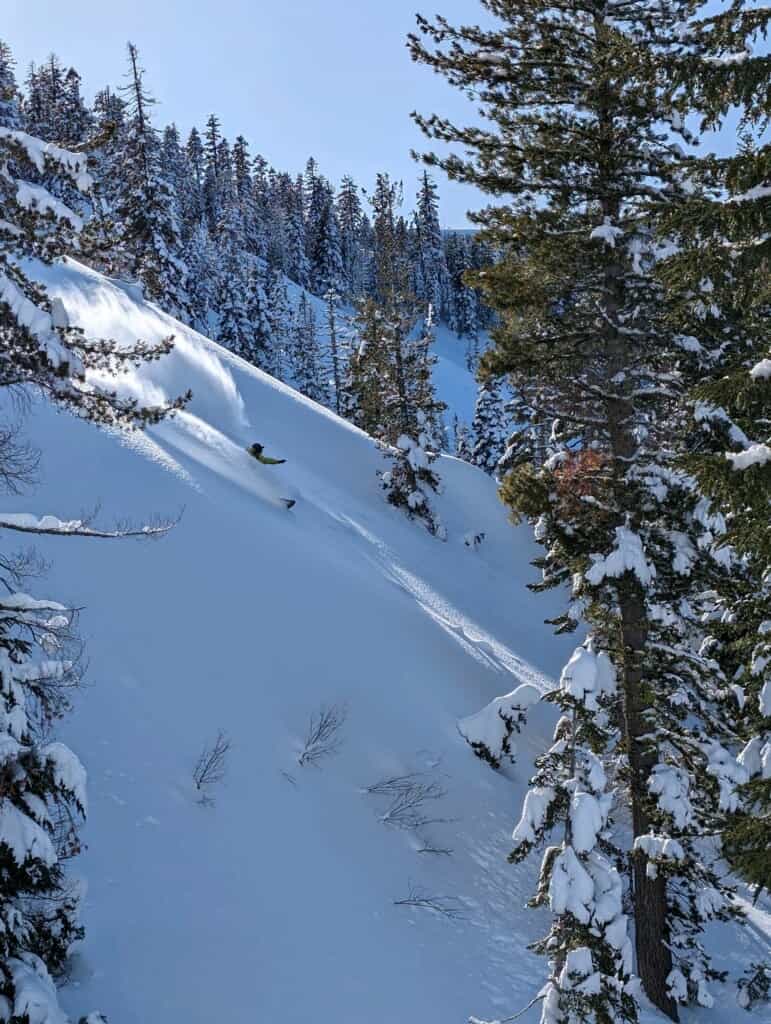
(210, 767)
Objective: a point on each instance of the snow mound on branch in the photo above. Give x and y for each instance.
(588, 675)
(489, 731)
(607, 233)
(761, 370)
(626, 556)
(755, 455)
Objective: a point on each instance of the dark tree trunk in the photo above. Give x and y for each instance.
(654, 959)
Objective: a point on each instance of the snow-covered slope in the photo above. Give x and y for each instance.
(277, 903)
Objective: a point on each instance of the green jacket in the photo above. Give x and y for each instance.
(264, 458)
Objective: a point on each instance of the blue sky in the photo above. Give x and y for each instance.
(296, 77)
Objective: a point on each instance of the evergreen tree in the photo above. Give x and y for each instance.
(212, 172)
(259, 313)
(39, 348)
(463, 302)
(304, 351)
(234, 287)
(431, 278)
(146, 208)
(201, 263)
(326, 265)
(350, 219)
(461, 439)
(244, 186)
(295, 249)
(10, 113)
(585, 336)
(193, 205)
(390, 380)
(74, 120)
(719, 275)
(279, 317)
(44, 100)
(489, 427)
(335, 354)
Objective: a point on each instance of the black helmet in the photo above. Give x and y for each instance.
(258, 448)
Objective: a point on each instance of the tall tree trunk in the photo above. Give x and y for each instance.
(654, 958)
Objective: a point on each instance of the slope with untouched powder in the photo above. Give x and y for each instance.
(279, 902)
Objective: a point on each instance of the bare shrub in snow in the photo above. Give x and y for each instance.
(429, 846)
(211, 766)
(411, 797)
(447, 906)
(323, 738)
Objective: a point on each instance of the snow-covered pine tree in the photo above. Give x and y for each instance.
(463, 302)
(39, 347)
(201, 263)
(349, 216)
(234, 285)
(325, 258)
(211, 176)
(43, 101)
(247, 199)
(10, 112)
(489, 428)
(295, 247)
(192, 205)
(461, 439)
(390, 379)
(146, 208)
(430, 276)
(586, 338)
(335, 355)
(304, 352)
(588, 944)
(719, 274)
(175, 170)
(279, 319)
(74, 118)
(259, 314)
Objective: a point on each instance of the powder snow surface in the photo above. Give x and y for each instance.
(277, 902)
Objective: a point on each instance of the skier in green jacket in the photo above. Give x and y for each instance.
(256, 451)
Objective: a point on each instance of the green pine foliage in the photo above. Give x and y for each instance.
(586, 186)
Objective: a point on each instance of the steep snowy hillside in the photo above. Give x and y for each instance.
(279, 901)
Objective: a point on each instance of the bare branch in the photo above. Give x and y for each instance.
(323, 738)
(514, 1016)
(410, 794)
(446, 906)
(210, 767)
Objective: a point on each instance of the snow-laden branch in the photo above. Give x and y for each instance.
(24, 522)
(37, 152)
